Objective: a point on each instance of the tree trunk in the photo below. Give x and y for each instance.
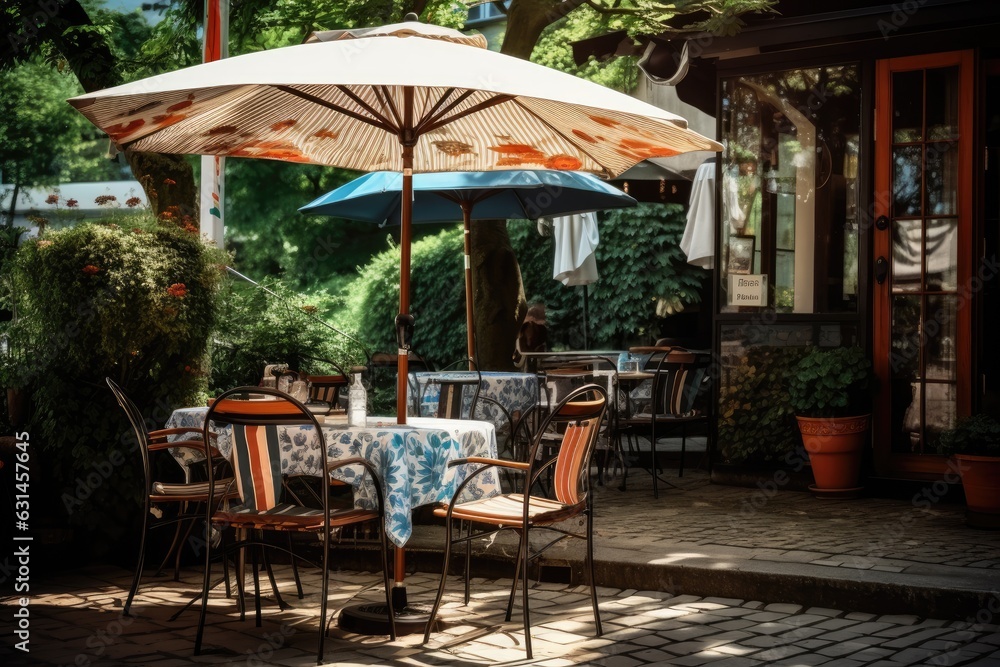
(499, 293)
(96, 67)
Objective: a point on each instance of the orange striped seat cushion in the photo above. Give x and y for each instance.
(508, 510)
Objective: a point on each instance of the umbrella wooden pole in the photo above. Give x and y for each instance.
(470, 317)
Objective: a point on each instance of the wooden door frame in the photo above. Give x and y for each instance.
(887, 462)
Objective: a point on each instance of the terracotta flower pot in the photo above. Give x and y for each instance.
(835, 446)
(981, 481)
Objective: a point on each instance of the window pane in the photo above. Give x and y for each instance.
(942, 103)
(940, 336)
(907, 110)
(940, 177)
(790, 173)
(907, 250)
(906, 182)
(942, 254)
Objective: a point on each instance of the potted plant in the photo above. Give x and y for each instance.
(829, 390)
(974, 444)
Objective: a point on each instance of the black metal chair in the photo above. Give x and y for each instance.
(264, 506)
(186, 495)
(582, 412)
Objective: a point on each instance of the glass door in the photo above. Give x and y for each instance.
(922, 252)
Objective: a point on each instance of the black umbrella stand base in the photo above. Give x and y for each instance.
(372, 618)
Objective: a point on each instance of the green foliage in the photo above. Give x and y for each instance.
(830, 382)
(136, 304)
(644, 277)
(555, 50)
(43, 140)
(756, 420)
(978, 435)
(257, 328)
(437, 298)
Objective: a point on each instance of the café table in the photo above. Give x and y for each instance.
(514, 392)
(412, 461)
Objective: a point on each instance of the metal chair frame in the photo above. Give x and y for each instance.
(577, 414)
(254, 524)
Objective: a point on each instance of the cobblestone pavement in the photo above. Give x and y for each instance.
(864, 533)
(76, 620)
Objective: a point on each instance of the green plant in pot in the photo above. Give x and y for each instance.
(829, 390)
(974, 445)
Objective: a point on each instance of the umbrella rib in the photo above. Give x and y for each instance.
(493, 101)
(434, 114)
(378, 122)
(437, 105)
(367, 107)
(386, 99)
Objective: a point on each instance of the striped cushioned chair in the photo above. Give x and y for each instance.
(256, 459)
(681, 379)
(185, 494)
(581, 411)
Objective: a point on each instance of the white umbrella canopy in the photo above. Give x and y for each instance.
(406, 97)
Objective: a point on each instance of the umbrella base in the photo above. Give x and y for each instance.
(373, 618)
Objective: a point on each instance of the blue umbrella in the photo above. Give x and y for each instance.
(466, 195)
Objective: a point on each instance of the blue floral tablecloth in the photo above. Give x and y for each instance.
(412, 460)
(516, 392)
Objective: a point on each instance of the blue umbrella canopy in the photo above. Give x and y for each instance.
(439, 197)
(468, 195)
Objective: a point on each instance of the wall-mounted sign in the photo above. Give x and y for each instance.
(747, 290)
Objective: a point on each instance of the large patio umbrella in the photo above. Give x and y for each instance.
(466, 195)
(405, 97)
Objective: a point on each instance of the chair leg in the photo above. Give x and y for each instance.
(256, 578)
(142, 558)
(173, 546)
(590, 566)
(241, 572)
(295, 567)
(524, 591)
(384, 540)
(180, 548)
(325, 589)
(206, 582)
(270, 576)
(513, 586)
(444, 576)
(468, 557)
(680, 466)
(652, 453)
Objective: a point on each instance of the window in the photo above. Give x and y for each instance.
(790, 197)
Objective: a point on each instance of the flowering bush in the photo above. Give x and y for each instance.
(98, 300)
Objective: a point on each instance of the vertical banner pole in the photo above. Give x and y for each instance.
(213, 168)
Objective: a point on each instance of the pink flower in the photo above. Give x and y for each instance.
(52, 199)
(90, 269)
(71, 203)
(178, 290)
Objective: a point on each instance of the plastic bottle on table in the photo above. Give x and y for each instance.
(357, 400)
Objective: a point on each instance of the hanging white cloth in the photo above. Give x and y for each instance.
(698, 241)
(576, 238)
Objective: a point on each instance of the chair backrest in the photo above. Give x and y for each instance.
(326, 388)
(679, 377)
(256, 448)
(582, 411)
(138, 426)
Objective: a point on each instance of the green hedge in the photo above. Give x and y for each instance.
(136, 304)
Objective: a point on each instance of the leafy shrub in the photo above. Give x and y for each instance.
(978, 435)
(756, 420)
(257, 328)
(831, 382)
(97, 300)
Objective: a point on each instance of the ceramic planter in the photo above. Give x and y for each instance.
(981, 481)
(835, 446)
